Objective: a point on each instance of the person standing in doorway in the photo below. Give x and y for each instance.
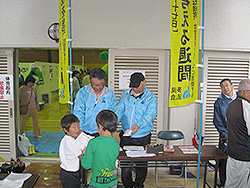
(91, 99)
(228, 94)
(137, 109)
(238, 124)
(75, 83)
(28, 96)
(21, 78)
(86, 79)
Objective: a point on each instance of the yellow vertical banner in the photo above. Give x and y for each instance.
(63, 52)
(184, 34)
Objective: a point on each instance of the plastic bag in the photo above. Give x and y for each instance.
(24, 144)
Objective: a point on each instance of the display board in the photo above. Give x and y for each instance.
(46, 75)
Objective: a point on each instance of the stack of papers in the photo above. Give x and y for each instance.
(168, 148)
(137, 151)
(189, 149)
(139, 154)
(133, 148)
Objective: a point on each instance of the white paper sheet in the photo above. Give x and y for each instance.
(139, 154)
(82, 140)
(133, 148)
(14, 180)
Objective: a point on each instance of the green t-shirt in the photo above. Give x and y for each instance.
(101, 155)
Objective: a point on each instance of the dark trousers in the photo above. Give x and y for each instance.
(70, 179)
(141, 172)
(222, 170)
(222, 163)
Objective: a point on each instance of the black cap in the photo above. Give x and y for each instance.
(135, 79)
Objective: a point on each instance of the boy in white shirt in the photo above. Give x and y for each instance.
(69, 155)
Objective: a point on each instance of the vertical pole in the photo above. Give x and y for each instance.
(70, 58)
(201, 105)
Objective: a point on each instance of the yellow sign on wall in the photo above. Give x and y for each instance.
(185, 19)
(63, 52)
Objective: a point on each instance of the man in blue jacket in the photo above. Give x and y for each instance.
(91, 99)
(137, 109)
(228, 94)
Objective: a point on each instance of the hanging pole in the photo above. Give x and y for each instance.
(201, 105)
(70, 58)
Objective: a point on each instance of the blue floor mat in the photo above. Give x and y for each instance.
(48, 143)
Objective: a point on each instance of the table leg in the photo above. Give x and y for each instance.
(205, 174)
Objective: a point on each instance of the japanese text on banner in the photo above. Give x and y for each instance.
(63, 52)
(6, 87)
(185, 19)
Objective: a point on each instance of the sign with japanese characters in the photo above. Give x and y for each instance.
(124, 77)
(63, 52)
(185, 19)
(6, 87)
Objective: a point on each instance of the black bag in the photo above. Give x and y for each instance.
(24, 108)
(157, 149)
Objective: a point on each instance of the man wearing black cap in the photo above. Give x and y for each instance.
(137, 109)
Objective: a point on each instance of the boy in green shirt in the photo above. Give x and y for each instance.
(102, 152)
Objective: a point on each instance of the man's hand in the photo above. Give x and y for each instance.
(134, 128)
(226, 141)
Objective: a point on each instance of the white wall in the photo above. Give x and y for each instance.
(124, 23)
(24, 23)
(120, 23)
(227, 24)
(96, 23)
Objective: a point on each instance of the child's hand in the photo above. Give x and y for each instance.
(84, 150)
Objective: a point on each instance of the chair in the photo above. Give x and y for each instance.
(171, 135)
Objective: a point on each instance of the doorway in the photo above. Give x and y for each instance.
(45, 63)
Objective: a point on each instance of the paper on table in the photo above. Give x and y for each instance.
(14, 180)
(133, 148)
(82, 140)
(139, 154)
(189, 149)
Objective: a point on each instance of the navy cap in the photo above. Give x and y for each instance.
(135, 79)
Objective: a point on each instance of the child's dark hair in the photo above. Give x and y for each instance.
(67, 120)
(107, 119)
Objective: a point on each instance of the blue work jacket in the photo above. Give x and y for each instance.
(86, 107)
(219, 119)
(141, 111)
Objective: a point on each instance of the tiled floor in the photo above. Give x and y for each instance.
(49, 118)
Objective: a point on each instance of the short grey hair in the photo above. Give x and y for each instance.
(244, 85)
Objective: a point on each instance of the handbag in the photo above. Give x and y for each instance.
(24, 108)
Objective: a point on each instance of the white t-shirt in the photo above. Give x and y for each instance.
(68, 154)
